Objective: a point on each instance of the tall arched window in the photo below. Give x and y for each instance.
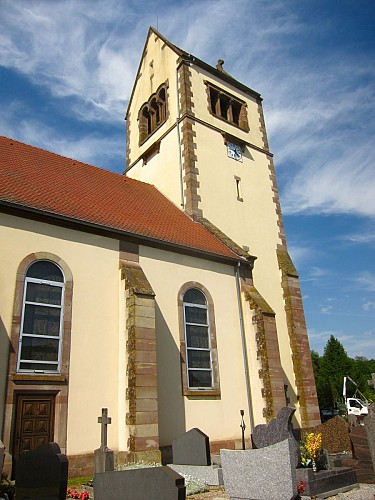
(42, 319)
(198, 340)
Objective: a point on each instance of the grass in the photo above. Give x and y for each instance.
(77, 481)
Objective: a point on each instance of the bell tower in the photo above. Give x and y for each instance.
(199, 136)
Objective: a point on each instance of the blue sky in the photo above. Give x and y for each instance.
(66, 72)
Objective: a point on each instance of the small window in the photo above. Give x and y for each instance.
(152, 114)
(41, 324)
(227, 107)
(198, 342)
(238, 188)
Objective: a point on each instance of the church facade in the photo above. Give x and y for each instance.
(166, 294)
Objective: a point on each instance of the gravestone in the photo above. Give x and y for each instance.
(279, 429)
(192, 448)
(335, 440)
(265, 474)
(103, 456)
(161, 483)
(369, 422)
(1, 456)
(363, 442)
(42, 474)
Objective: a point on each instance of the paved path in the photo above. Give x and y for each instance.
(364, 492)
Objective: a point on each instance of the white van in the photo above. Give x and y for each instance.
(356, 407)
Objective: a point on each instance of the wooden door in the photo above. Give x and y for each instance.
(34, 421)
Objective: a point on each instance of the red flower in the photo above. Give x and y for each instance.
(301, 487)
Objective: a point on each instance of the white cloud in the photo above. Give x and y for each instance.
(72, 49)
(366, 281)
(319, 105)
(90, 148)
(368, 305)
(361, 238)
(356, 344)
(315, 273)
(300, 254)
(326, 309)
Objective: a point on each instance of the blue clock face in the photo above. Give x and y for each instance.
(234, 151)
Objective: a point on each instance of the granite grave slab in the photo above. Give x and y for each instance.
(327, 482)
(161, 483)
(279, 429)
(42, 474)
(266, 473)
(208, 474)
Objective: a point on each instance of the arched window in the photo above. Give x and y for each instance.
(227, 107)
(153, 113)
(42, 319)
(198, 340)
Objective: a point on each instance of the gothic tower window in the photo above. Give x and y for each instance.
(227, 107)
(153, 113)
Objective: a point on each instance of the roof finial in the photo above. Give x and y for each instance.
(219, 65)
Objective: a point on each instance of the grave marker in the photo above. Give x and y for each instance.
(279, 429)
(103, 457)
(161, 483)
(104, 420)
(192, 448)
(42, 474)
(266, 473)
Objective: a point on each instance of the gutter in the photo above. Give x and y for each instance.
(244, 351)
(179, 138)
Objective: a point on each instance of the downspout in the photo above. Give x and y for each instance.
(179, 139)
(244, 351)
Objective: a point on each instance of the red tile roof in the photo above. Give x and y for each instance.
(37, 179)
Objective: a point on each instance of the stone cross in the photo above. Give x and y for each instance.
(104, 420)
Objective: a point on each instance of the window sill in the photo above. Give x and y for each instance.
(202, 393)
(26, 378)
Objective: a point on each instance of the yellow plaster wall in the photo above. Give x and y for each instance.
(201, 107)
(157, 66)
(94, 363)
(162, 170)
(218, 417)
(252, 222)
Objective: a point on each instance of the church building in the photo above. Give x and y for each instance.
(166, 294)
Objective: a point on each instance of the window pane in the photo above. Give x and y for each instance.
(198, 378)
(39, 349)
(41, 320)
(197, 336)
(199, 359)
(46, 294)
(38, 366)
(46, 270)
(196, 315)
(194, 296)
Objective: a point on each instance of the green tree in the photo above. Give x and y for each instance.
(361, 371)
(330, 370)
(335, 364)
